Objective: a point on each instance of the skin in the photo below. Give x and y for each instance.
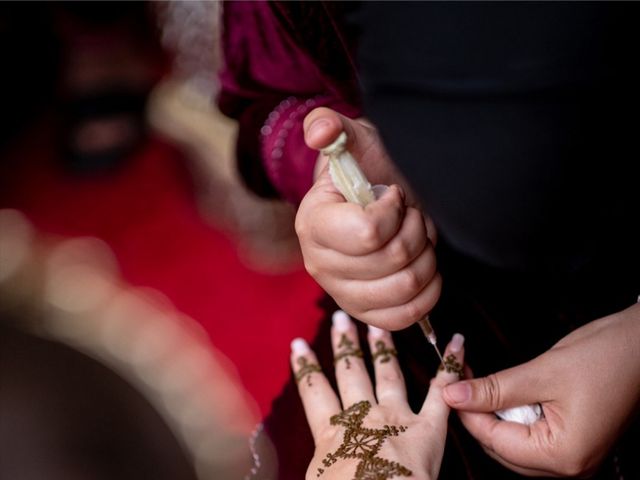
(378, 264)
(588, 385)
(419, 448)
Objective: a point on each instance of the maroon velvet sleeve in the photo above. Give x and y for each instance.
(269, 83)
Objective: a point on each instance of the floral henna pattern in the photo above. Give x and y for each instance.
(383, 352)
(451, 365)
(364, 444)
(306, 369)
(348, 350)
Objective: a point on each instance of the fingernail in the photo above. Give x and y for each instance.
(456, 343)
(458, 392)
(317, 125)
(375, 331)
(379, 191)
(299, 346)
(341, 321)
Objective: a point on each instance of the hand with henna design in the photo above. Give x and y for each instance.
(366, 432)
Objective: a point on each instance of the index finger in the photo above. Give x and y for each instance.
(319, 400)
(516, 443)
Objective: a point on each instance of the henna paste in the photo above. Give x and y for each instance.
(349, 350)
(451, 365)
(364, 444)
(383, 352)
(306, 369)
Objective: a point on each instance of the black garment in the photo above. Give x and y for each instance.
(507, 319)
(516, 122)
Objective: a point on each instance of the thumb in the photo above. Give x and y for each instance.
(508, 388)
(323, 125)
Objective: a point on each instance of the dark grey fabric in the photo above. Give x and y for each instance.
(516, 122)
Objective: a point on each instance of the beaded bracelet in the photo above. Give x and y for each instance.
(280, 121)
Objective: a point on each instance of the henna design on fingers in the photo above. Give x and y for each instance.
(349, 350)
(364, 444)
(451, 365)
(306, 369)
(383, 352)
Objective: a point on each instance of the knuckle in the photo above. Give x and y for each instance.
(326, 436)
(311, 267)
(369, 235)
(574, 468)
(399, 252)
(430, 265)
(490, 391)
(300, 226)
(350, 366)
(411, 281)
(577, 464)
(351, 309)
(414, 216)
(412, 313)
(399, 209)
(431, 255)
(434, 290)
(389, 322)
(389, 377)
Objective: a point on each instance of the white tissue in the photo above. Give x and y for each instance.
(526, 415)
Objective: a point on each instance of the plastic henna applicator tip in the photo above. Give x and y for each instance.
(430, 334)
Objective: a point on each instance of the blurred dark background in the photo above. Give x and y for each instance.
(63, 414)
(31, 54)
(132, 258)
